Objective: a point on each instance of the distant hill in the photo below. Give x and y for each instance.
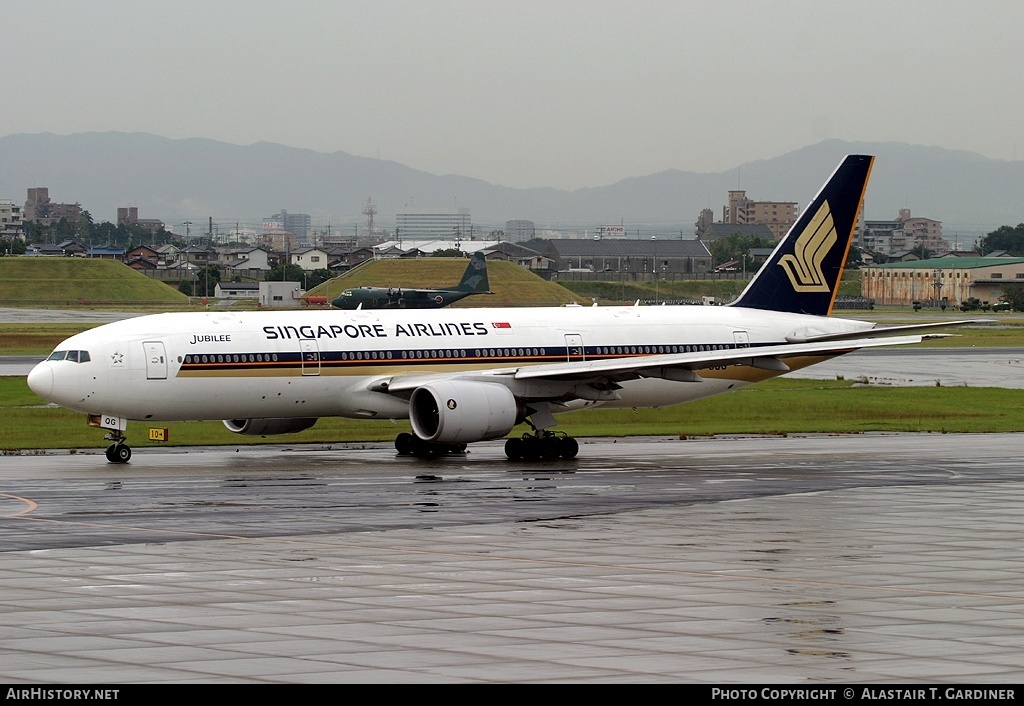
(512, 285)
(64, 281)
(197, 179)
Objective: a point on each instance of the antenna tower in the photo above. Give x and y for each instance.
(370, 211)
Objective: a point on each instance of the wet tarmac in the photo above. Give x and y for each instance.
(928, 367)
(806, 560)
(27, 315)
(860, 559)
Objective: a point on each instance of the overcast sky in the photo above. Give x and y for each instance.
(524, 93)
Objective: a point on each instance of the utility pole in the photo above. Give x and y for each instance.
(654, 242)
(209, 247)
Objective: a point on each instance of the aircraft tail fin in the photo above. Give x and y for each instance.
(474, 280)
(803, 273)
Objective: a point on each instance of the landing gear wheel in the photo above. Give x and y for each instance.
(423, 449)
(404, 444)
(531, 448)
(550, 447)
(514, 448)
(568, 447)
(407, 444)
(118, 453)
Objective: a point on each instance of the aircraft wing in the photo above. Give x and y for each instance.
(683, 367)
(811, 337)
(764, 357)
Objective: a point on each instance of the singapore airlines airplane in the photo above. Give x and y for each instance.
(466, 375)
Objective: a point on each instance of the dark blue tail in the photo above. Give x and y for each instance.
(803, 273)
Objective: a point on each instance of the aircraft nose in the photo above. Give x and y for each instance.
(40, 380)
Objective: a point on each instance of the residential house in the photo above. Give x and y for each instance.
(524, 257)
(198, 256)
(106, 253)
(309, 258)
(167, 255)
(142, 252)
(245, 262)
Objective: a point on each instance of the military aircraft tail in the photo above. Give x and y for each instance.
(474, 280)
(803, 273)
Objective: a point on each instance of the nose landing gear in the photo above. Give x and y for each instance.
(118, 452)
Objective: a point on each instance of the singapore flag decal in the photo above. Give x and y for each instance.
(502, 327)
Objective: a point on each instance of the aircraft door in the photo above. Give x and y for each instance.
(156, 360)
(741, 339)
(310, 356)
(574, 349)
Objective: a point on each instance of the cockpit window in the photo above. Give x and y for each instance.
(73, 356)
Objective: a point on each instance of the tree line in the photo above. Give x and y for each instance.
(86, 231)
(1010, 239)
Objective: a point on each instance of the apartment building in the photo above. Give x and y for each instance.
(10, 220)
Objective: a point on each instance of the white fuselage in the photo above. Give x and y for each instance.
(172, 367)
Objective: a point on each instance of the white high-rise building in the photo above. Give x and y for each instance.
(519, 231)
(420, 224)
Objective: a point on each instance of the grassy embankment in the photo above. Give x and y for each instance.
(511, 284)
(75, 282)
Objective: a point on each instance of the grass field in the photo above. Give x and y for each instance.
(780, 406)
(36, 339)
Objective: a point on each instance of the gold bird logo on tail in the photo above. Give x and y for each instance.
(804, 266)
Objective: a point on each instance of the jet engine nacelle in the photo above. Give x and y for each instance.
(461, 411)
(266, 427)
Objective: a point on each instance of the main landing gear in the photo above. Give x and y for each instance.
(543, 444)
(407, 444)
(118, 452)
